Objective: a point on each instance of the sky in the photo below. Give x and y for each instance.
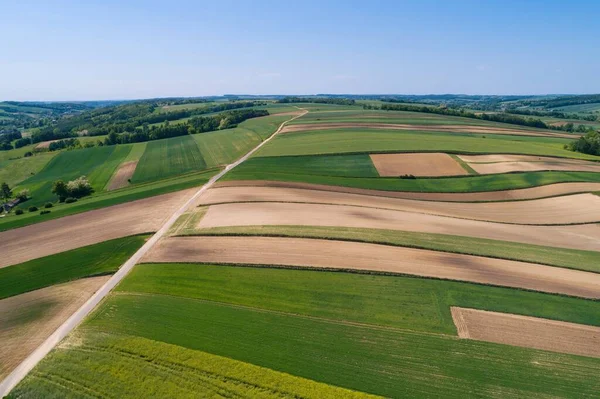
(129, 49)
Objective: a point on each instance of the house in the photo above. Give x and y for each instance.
(10, 204)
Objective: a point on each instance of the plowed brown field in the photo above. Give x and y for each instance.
(26, 320)
(418, 164)
(586, 237)
(122, 176)
(549, 190)
(528, 332)
(488, 164)
(547, 211)
(429, 128)
(372, 257)
(70, 232)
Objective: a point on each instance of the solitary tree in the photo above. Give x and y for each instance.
(5, 191)
(60, 189)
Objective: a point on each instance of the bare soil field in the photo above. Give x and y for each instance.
(547, 211)
(550, 190)
(528, 332)
(70, 232)
(586, 237)
(45, 144)
(418, 164)
(488, 164)
(428, 128)
(26, 320)
(377, 258)
(121, 178)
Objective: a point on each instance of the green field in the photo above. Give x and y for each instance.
(16, 170)
(168, 157)
(561, 257)
(584, 108)
(344, 165)
(393, 332)
(168, 371)
(360, 140)
(97, 163)
(224, 146)
(93, 260)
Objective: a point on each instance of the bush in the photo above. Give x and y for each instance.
(33, 208)
(19, 212)
(70, 200)
(44, 212)
(48, 205)
(407, 177)
(28, 154)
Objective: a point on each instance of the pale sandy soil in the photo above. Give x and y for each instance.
(418, 164)
(586, 237)
(372, 257)
(70, 232)
(549, 190)
(428, 128)
(528, 332)
(26, 320)
(488, 164)
(546, 211)
(121, 178)
(45, 144)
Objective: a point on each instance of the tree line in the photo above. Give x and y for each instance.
(124, 118)
(336, 101)
(502, 117)
(201, 124)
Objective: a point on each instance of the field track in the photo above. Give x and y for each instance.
(528, 332)
(8, 383)
(18, 338)
(70, 232)
(418, 164)
(547, 211)
(550, 190)
(121, 178)
(427, 128)
(375, 258)
(586, 237)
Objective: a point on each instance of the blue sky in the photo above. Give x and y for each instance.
(106, 49)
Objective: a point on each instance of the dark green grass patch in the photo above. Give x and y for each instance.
(357, 165)
(168, 157)
(402, 302)
(382, 361)
(560, 257)
(262, 170)
(92, 260)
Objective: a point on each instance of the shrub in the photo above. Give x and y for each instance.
(48, 205)
(70, 200)
(407, 177)
(28, 154)
(33, 208)
(44, 212)
(19, 212)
